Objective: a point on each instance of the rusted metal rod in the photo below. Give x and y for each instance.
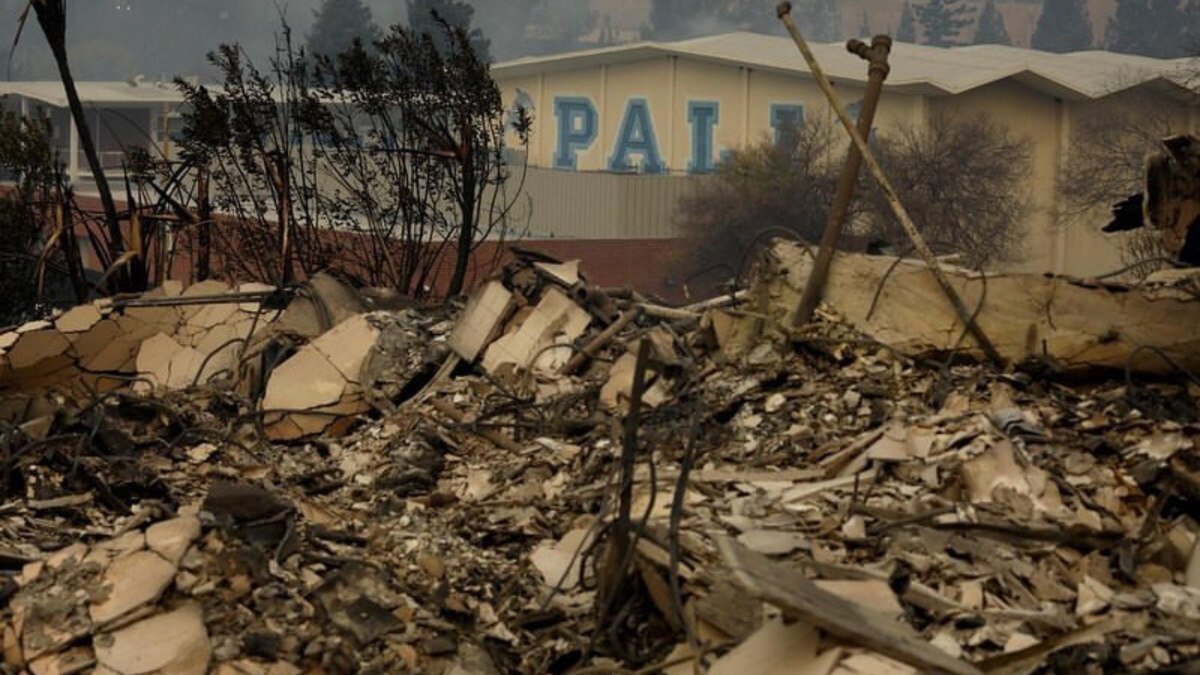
(589, 351)
(784, 11)
(877, 56)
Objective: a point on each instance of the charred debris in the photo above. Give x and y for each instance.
(555, 478)
(855, 465)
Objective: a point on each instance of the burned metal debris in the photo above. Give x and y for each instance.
(557, 478)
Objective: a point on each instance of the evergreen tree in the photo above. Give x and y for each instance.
(907, 31)
(821, 20)
(1169, 39)
(1064, 26)
(678, 19)
(457, 13)
(1158, 28)
(337, 24)
(1191, 31)
(991, 29)
(943, 20)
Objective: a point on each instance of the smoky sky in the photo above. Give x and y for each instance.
(161, 39)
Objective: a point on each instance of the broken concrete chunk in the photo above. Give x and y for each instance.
(175, 643)
(997, 470)
(73, 553)
(73, 660)
(154, 359)
(328, 303)
(31, 326)
(305, 381)
(132, 582)
(348, 344)
(34, 348)
(171, 538)
(561, 563)
(615, 393)
(556, 320)
(127, 543)
(323, 376)
(106, 347)
(78, 319)
(185, 368)
(481, 320)
(775, 649)
(565, 273)
(1178, 601)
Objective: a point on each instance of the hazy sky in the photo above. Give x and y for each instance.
(117, 39)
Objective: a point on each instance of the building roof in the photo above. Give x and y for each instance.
(916, 69)
(95, 93)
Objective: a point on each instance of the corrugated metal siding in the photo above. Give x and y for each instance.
(589, 205)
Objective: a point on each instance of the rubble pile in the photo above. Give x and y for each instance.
(558, 478)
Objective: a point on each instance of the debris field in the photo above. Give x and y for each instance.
(553, 477)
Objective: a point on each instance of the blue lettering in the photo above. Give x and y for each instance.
(637, 137)
(576, 129)
(703, 116)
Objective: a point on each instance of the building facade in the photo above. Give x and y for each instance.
(622, 133)
(651, 111)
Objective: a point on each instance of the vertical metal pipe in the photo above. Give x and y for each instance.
(877, 56)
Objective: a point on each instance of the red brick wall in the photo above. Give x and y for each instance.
(646, 265)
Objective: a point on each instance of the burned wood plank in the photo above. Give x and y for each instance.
(792, 591)
(1070, 324)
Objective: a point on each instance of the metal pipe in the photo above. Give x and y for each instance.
(223, 299)
(877, 56)
(784, 11)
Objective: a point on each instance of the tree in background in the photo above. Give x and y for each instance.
(821, 20)
(991, 29)
(408, 170)
(761, 191)
(943, 20)
(678, 19)
(337, 24)
(558, 26)
(509, 23)
(28, 163)
(425, 17)
(1064, 26)
(1192, 32)
(52, 17)
(907, 30)
(963, 180)
(1158, 28)
(1107, 163)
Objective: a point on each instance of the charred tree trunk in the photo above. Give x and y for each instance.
(466, 231)
(204, 227)
(52, 17)
(69, 245)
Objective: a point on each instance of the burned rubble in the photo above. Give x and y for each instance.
(559, 478)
